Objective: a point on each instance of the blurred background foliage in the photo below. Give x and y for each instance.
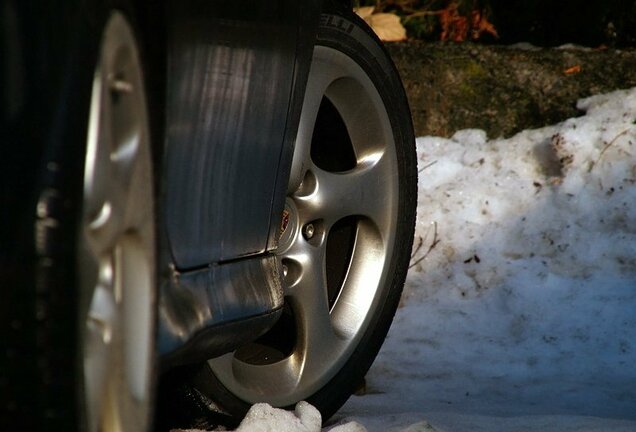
(540, 22)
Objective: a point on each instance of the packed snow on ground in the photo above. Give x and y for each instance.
(519, 311)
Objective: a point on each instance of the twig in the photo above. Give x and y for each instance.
(427, 166)
(430, 248)
(420, 242)
(607, 146)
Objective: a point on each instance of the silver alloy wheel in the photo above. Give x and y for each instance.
(328, 324)
(117, 241)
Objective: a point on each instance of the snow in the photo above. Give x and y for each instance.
(305, 418)
(519, 311)
(264, 418)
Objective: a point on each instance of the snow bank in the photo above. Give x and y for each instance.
(519, 312)
(522, 295)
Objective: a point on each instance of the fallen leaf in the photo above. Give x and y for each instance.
(573, 70)
(387, 26)
(364, 12)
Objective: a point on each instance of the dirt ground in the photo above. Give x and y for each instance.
(504, 89)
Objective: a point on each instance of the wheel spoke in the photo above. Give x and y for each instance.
(102, 318)
(97, 171)
(136, 282)
(309, 300)
(322, 74)
(363, 191)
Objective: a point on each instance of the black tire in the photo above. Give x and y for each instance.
(345, 33)
(45, 330)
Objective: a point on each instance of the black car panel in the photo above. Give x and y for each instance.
(230, 76)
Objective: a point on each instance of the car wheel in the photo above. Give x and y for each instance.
(95, 283)
(346, 246)
(117, 241)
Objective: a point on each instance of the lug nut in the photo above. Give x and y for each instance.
(309, 231)
(285, 270)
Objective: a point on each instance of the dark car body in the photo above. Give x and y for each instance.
(235, 78)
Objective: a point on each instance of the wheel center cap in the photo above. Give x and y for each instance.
(284, 223)
(288, 226)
